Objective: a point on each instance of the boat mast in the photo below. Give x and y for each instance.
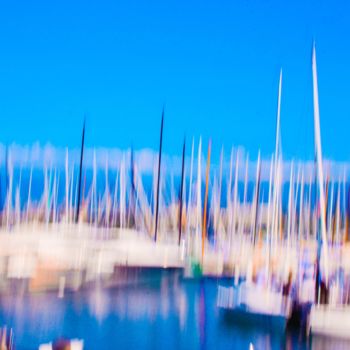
(301, 208)
(268, 227)
(218, 209)
(54, 197)
(199, 197)
(9, 182)
(67, 187)
(319, 163)
(235, 204)
(204, 227)
(158, 178)
(106, 195)
(29, 193)
(290, 205)
(80, 172)
(70, 194)
(189, 203)
(133, 201)
(330, 214)
(114, 216)
(343, 211)
(94, 206)
(257, 195)
(245, 190)
(182, 188)
(122, 193)
(277, 161)
(229, 201)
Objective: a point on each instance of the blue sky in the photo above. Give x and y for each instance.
(214, 64)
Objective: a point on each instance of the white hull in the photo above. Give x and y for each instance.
(264, 301)
(255, 300)
(331, 321)
(256, 306)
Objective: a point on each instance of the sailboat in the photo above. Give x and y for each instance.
(332, 319)
(252, 302)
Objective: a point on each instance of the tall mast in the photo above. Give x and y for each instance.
(235, 204)
(158, 178)
(94, 186)
(337, 218)
(80, 172)
(182, 188)
(268, 227)
(330, 213)
(344, 207)
(189, 203)
(290, 205)
(243, 218)
(29, 193)
(229, 201)
(319, 163)
(301, 208)
(9, 184)
(67, 187)
(277, 161)
(3, 203)
(277, 145)
(218, 213)
(115, 198)
(71, 214)
(9, 175)
(204, 227)
(199, 195)
(53, 198)
(257, 195)
(122, 193)
(133, 185)
(106, 195)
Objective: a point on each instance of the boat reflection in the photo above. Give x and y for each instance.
(167, 312)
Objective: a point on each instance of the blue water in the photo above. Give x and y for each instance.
(161, 313)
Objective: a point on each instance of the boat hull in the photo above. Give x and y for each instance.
(244, 317)
(332, 321)
(249, 305)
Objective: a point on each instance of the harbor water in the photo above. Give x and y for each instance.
(154, 310)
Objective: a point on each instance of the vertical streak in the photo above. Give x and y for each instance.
(80, 172)
(319, 162)
(158, 179)
(204, 228)
(181, 188)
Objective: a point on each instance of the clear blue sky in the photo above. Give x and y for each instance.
(215, 65)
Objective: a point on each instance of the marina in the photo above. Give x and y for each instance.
(276, 261)
(164, 312)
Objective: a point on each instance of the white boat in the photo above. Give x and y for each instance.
(256, 305)
(252, 303)
(330, 320)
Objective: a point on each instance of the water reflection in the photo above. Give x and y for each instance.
(202, 317)
(99, 303)
(324, 343)
(163, 313)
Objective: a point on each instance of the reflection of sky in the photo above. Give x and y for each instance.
(165, 313)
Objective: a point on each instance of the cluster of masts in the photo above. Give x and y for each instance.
(198, 206)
